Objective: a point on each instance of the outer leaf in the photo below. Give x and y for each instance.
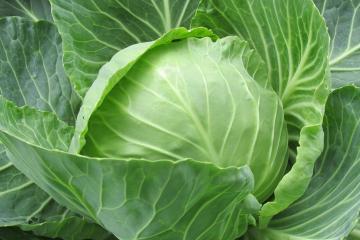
(181, 211)
(20, 199)
(343, 21)
(31, 74)
(50, 132)
(23, 78)
(136, 198)
(291, 37)
(93, 31)
(22, 202)
(329, 208)
(31, 9)
(31, 71)
(331, 204)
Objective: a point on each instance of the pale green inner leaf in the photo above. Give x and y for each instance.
(212, 112)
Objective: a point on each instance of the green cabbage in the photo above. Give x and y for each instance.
(179, 119)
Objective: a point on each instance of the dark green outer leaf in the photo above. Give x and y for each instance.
(343, 21)
(292, 39)
(31, 70)
(31, 74)
(20, 199)
(31, 9)
(93, 31)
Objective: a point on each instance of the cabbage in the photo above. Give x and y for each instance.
(179, 119)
